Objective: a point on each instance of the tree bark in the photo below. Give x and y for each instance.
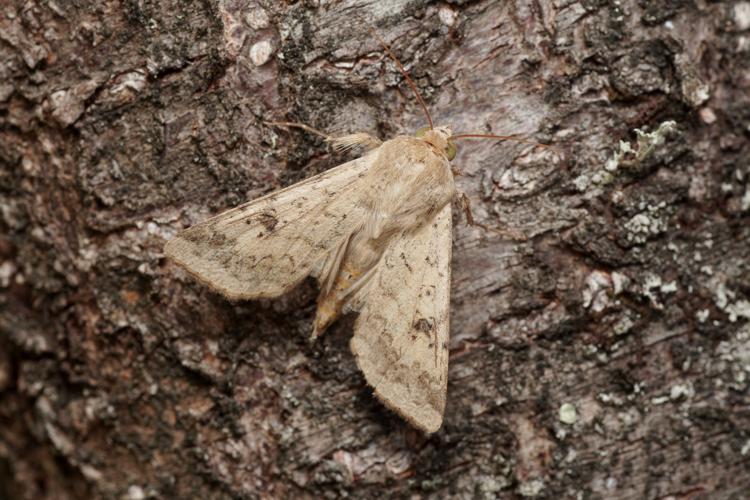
(605, 356)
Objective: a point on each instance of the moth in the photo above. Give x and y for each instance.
(376, 234)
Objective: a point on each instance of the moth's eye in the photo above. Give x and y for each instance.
(422, 131)
(450, 151)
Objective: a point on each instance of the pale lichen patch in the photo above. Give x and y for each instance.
(447, 15)
(724, 299)
(135, 492)
(261, 52)
(737, 310)
(742, 15)
(257, 18)
(643, 225)
(651, 286)
(646, 144)
(745, 201)
(531, 488)
(595, 294)
(735, 352)
(568, 414)
(681, 391)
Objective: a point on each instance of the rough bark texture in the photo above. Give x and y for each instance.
(608, 356)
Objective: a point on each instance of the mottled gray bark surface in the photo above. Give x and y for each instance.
(608, 356)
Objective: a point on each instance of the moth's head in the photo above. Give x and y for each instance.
(440, 138)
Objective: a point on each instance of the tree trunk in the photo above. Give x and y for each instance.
(607, 355)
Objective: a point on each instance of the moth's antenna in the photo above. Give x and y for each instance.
(513, 138)
(401, 70)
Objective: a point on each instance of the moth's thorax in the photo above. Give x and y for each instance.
(414, 161)
(409, 183)
(439, 138)
(407, 186)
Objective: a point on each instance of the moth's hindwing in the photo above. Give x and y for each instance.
(401, 334)
(267, 246)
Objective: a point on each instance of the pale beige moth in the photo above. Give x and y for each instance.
(376, 234)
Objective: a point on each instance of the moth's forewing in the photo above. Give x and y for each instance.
(267, 246)
(401, 334)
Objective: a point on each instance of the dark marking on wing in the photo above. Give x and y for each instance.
(406, 262)
(435, 345)
(268, 220)
(196, 234)
(203, 236)
(218, 239)
(424, 325)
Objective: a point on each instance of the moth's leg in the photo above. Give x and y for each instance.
(340, 143)
(465, 204)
